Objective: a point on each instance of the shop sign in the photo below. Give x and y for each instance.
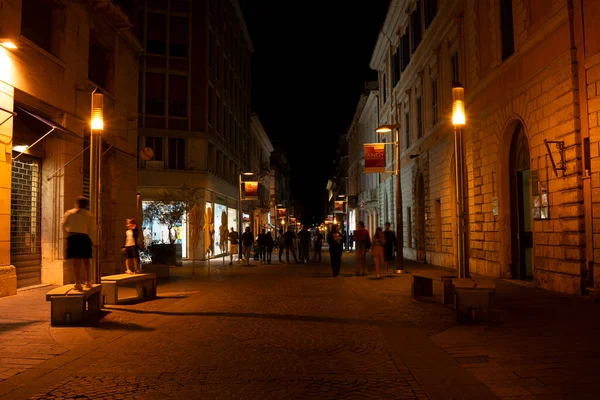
(281, 212)
(330, 218)
(339, 207)
(146, 153)
(250, 190)
(374, 158)
(292, 220)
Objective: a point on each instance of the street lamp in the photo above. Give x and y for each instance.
(399, 223)
(240, 214)
(96, 128)
(458, 121)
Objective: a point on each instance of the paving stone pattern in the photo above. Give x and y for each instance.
(292, 332)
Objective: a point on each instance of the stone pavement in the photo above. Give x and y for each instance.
(290, 331)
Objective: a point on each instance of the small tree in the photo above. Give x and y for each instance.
(170, 207)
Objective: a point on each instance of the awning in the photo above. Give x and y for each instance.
(50, 123)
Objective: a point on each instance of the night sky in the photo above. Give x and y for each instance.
(310, 63)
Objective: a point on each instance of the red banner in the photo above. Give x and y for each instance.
(339, 207)
(292, 220)
(374, 157)
(250, 190)
(281, 212)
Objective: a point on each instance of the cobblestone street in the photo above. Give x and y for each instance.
(273, 332)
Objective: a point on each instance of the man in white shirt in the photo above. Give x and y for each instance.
(78, 224)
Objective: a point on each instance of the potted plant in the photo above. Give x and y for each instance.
(169, 210)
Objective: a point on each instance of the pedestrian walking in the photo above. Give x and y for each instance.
(288, 238)
(363, 243)
(304, 239)
(281, 244)
(318, 245)
(334, 239)
(247, 242)
(351, 241)
(78, 224)
(131, 247)
(269, 243)
(390, 244)
(262, 249)
(233, 238)
(378, 244)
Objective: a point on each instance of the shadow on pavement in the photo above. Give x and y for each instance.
(9, 326)
(286, 317)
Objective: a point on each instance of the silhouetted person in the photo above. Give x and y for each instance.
(269, 243)
(233, 244)
(281, 244)
(247, 242)
(304, 236)
(334, 239)
(79, 224)
(288, 238)
(363, 243)
(388, 249)
(262, 249)
(318, 245)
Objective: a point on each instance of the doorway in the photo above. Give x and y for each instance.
(420, 193)
(520, 207)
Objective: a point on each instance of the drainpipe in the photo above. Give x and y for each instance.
(576, 30)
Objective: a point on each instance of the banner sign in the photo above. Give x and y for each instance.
(330, 218)
(292, 220)
(374, 158)
(281, 212)
(250, 190)
(339, 207)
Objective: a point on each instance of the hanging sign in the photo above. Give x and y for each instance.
(374, 158)
(250, 190)
(339, 207)
(330, 218)
(292, 220)
(281, 212)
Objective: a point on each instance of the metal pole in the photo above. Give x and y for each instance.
(95, 168)
(399, 221)
(460, 228)
(347, 223)
(240, 219)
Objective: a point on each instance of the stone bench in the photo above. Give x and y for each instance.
(69, 306)
(145, 285)
(473, 299)
(421, 283)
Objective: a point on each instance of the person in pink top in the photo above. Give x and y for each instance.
(363, 243)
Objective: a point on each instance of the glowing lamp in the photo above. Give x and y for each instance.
(97, 112)
(458, 106)
(8, 44)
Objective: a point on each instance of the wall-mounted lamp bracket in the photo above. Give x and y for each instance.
(560, 146)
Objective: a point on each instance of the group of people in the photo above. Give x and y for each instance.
(265, 244)
(382, 245)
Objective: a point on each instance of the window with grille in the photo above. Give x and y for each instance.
(415, 26)
(38, 20)
(506, 29)
(434, 101)
(25, 207)
(176, 153)
(419, 118)
(430, 11)
(407, 117)
(156, 144)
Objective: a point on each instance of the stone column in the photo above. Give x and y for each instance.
(8, 274)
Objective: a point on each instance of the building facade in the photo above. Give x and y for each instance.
(528, 69)
(62, 52)
(260, 164)
(194, 119)
(280, 188)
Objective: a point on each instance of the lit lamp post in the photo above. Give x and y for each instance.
(458, 121)
(240, 213)
(399, 223)
(97, 126)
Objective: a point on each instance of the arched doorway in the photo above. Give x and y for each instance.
(521, 218)
(420, 203)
